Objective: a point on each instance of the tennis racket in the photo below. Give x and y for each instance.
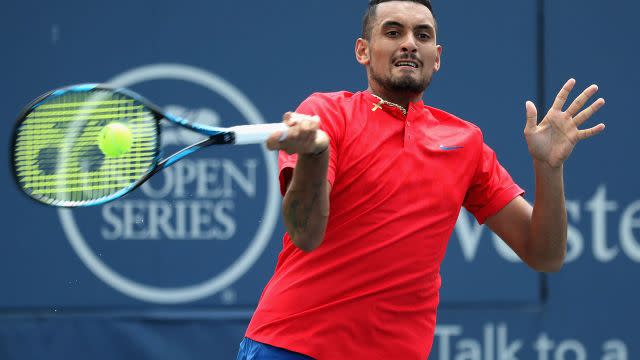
(58, 158)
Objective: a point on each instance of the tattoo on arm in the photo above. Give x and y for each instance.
(298, 214)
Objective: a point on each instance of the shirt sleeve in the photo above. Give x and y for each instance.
(331, 122)
(492, 188)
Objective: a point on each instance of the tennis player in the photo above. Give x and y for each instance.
(372, 195)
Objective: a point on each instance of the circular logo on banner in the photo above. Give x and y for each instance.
(197, 226)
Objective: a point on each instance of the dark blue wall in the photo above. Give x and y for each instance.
(174, 270)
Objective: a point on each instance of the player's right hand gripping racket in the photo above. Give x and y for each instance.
(62, 155)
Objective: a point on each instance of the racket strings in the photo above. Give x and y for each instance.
(57, 157)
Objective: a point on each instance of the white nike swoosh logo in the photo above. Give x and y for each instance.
(447, 148)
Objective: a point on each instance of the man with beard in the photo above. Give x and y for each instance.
(372, 196)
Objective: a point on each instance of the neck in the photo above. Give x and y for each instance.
(400, 98)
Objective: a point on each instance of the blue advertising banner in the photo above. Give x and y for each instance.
(175, 269)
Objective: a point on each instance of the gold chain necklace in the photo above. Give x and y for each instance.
(383, 101)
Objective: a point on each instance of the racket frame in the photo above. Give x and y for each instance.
(216, 136)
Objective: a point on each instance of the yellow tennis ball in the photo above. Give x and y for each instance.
(115, 139)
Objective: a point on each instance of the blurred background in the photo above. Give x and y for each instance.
(174, 270)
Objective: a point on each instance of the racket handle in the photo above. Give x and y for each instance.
(257, 134)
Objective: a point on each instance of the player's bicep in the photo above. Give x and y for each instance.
(512, 224)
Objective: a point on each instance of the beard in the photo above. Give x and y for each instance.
(402, 84)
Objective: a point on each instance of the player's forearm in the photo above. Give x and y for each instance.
(548, 241)
(306, 203)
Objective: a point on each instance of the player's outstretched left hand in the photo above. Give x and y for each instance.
(552, 140)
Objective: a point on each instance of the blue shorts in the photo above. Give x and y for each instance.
(253, 350)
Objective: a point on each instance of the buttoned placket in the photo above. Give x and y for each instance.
(409, 121)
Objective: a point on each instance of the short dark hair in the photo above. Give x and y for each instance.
(370, 14)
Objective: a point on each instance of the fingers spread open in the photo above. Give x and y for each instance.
(587, 133)
(581, 100)
(563, 95)
(532, 115)
(585, 114)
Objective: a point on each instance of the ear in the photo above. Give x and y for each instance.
(362, 51)
(436, 65)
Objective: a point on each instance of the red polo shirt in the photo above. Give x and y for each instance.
(370, 291)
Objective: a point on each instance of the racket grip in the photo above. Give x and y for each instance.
(257, 134)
